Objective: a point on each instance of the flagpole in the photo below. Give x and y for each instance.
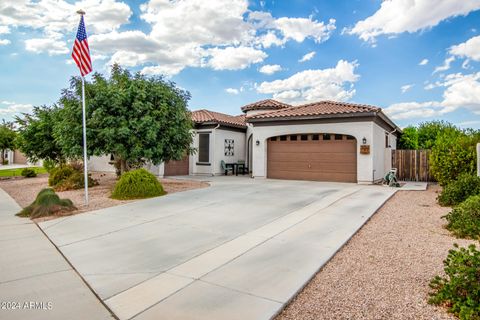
(85, 169)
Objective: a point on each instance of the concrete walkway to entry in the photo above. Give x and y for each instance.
(35, 280)
(240, 249)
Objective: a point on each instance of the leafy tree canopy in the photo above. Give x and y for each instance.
(134, 117)
(35, 135)
(409, 139)
(429, 131)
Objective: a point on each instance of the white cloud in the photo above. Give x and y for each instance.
(300, 28)
(445, 66)
(308, 56)
(398, 16)
(314, 85)
(234, 58)
(423, 62)
(4, 30)
(50, 45)
(406, 87)
(270, 68)
(232, 91)
(4, 42)
(9, 109)
(469, 49)
(461, 91)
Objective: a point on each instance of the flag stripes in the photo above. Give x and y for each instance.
(81, 51)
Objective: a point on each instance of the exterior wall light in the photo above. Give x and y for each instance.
(364, 140)
(257, 142)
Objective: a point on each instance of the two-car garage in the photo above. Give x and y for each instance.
(318, 157)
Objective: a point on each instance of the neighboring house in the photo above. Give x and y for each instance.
(324, 141)
(15, 157)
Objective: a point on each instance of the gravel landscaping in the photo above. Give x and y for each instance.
(383, 272)
(25, 190)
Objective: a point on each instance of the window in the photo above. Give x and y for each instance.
(273, 139)
(204, 147)
(326, 136)
(387, 143)
(304, 137)
(350, 138)
(283, 138)
(315, 137)
(293, 138)
(338, 137)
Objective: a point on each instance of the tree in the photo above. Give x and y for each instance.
(409, 138)
(134, 117)
(7, 138)
(429, 131)
(35, 135)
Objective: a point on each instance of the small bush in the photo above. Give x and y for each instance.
(464, 219)
(47, 203)
(457, 191)
(460, 289)
(48, 165)
(59, 174)
(5, 162)
(137, 184)
(28, 173)
(75, 181)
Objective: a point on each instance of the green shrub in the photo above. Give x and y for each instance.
(28, 173)
(48, 165)
(59, 174)
(460, 289)
(5, 162)
(75, 181)
(47, 203)
(137, 184)
(459, 190)
(464, 219)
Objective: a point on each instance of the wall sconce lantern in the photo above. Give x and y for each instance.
(364, 140)
(257, 142)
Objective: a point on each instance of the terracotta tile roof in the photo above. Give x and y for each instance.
(204, 116)
(322, 108)
(268, 104)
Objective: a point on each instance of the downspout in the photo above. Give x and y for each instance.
(213, 156)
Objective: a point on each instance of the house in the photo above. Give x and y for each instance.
(324, 141)
(15, 157)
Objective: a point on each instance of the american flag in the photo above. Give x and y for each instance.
(81, 52)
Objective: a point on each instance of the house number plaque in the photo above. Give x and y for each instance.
(364, 149)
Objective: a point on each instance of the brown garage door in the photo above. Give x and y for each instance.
(318, 157)
(177, 168)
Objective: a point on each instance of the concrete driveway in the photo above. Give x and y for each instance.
(240, 249)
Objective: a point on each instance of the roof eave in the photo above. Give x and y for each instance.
(312, 117)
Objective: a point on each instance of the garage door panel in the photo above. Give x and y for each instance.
(319, 160)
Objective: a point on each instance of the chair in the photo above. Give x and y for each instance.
(225, 168)
(241, 163)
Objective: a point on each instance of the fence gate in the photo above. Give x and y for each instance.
(412, 165)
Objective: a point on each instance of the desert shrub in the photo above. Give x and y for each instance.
(48, 165)
(137, 184)
(464, 219)
(460, 289)
(28, 173)
(47, 203)
(459, 190)
(59, 174)
(75, 181)
(454, 153)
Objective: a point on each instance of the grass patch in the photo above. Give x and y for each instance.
(18, 172)
(47, 203)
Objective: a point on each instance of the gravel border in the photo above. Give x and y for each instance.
(383, 272)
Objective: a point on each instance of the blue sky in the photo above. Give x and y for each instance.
(417, 59)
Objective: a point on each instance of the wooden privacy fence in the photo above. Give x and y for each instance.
(412, 165)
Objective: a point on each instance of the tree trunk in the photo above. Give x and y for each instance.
(123, 166)
(3, 157)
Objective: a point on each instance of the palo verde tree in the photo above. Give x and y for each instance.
(35, 135)
(134, 117)
(7, 138)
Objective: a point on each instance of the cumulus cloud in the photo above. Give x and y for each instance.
(423, 62)
(445, 66)
(4, 42)
(234, 58)
(232, 91)
(4, 30)
(406, 87)
(308, 56)
(9, 109)
(461, 91)
(469, 49)
(398, 16)
(313, 85)
(51, 45)
(270, 68)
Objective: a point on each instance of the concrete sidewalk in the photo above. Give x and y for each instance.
(36, 282)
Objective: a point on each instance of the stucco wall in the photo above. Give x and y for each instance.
(100, 164)
(359, 130)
